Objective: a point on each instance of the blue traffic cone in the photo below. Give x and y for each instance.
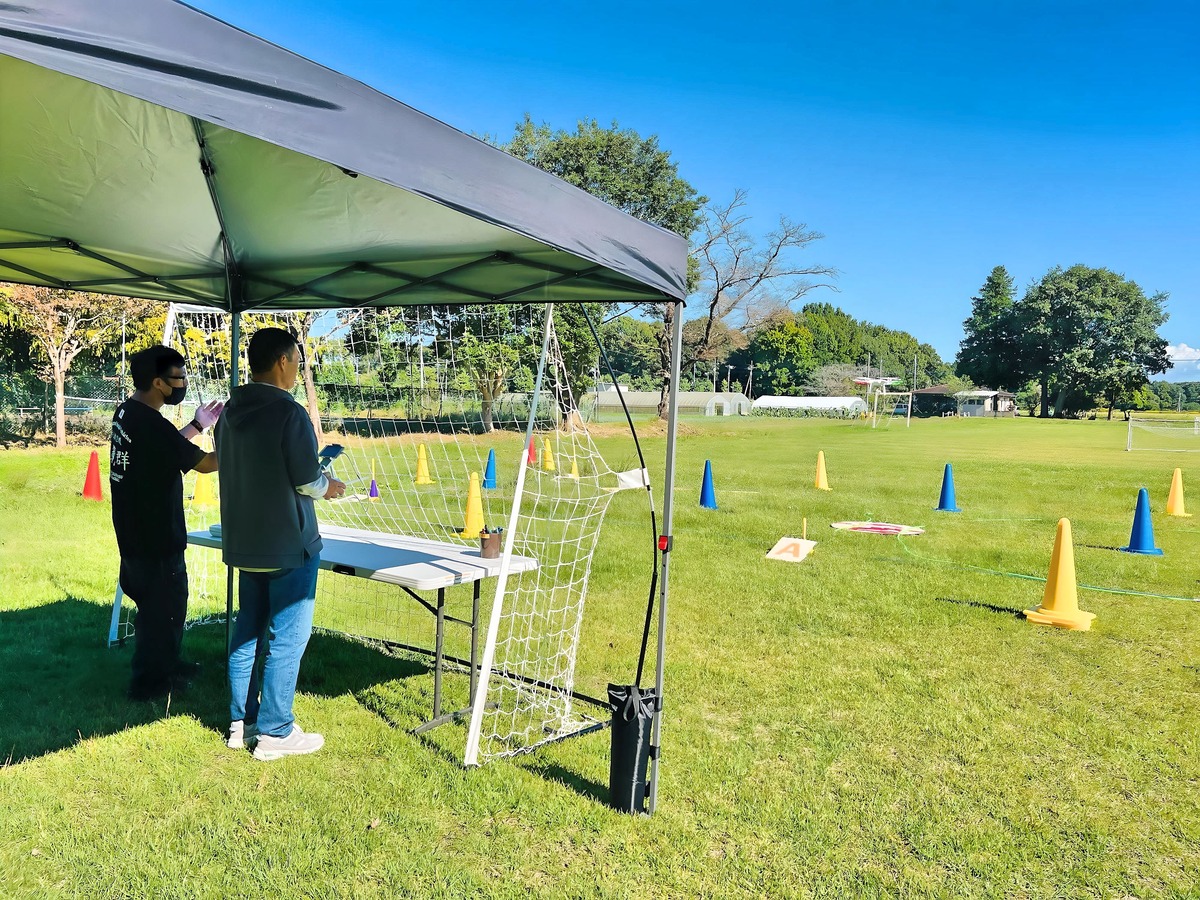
(946, 501)
(708, 497)
(1141, 539)
(489, 473)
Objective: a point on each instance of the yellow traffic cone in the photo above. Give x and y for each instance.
(574, 469)
(473, 518)
(422, 466)
(1060, 602)
(822, 482)
(1175, 506)
(547, 456)
(202, 491)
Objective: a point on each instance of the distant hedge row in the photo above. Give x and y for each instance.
(807, 413)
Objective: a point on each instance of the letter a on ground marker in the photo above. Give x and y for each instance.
(790, 549)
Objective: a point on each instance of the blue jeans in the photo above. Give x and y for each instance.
(274, 622)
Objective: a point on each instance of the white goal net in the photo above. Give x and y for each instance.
(453, 419)
(1169, 433)
(891, 406)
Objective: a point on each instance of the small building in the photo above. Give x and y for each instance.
(935, 400)
(984, 402)
(691, 403)
(847, 406)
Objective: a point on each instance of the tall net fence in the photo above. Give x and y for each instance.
(433, 406)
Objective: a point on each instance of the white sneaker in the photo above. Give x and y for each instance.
(295, 744)
(240, 736)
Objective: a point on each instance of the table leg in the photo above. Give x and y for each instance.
(439, 650)
(439, 659)
(474, 644)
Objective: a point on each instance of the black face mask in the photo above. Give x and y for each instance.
(177, 395)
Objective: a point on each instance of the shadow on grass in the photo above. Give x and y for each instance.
(1097, 547)
(990, 607)
(585, 787)
(60, 684)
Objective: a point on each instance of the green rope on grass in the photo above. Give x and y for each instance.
(1088, 587)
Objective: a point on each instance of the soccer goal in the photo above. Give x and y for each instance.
(891, 406)
(454, 419)
(1169, 433)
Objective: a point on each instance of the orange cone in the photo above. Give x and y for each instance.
(1175, 505)
(1060, 602)
(822, 483)
(91, 484)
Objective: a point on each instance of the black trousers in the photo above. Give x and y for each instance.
(159, 588)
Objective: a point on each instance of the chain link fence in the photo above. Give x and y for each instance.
(27, 407)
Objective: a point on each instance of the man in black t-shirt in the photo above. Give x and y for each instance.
(146, 466)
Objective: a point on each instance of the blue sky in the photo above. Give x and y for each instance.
(929, 141)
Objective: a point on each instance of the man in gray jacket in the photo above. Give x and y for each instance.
(270, 475)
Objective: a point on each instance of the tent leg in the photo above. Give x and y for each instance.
(235, 342)
(668, 504)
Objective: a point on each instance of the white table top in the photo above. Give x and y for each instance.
(410, 562)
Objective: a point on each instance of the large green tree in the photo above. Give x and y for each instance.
(782, 356)
(632, 347)
(626, 170)
(1088, 333)
(987, 353)
(837, 337)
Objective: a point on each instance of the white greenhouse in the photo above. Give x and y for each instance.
(848, 405)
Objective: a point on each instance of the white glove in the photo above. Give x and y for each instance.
(207, 415)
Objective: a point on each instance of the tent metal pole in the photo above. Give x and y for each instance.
(235, 341)
(668, 505)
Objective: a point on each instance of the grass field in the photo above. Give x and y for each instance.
(877, 721)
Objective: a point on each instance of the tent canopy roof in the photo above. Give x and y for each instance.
(148, 149)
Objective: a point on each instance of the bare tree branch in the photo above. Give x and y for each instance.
(750, 281)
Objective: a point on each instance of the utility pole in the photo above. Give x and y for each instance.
(728, 373)
(750, 380)
(714, 376)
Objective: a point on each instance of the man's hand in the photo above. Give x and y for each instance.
(207, 415)
(336, 489)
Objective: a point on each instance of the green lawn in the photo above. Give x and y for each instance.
(876, 721)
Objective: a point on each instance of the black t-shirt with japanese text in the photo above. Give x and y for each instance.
(148, 457)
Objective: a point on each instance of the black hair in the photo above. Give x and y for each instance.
(266, 346)
(151, 363)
